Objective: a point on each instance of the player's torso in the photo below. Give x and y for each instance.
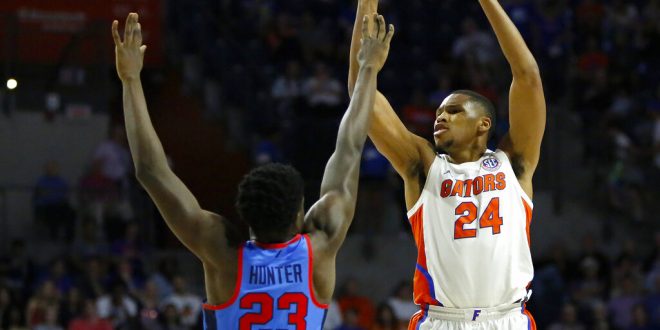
(471, 227)
(274, 290)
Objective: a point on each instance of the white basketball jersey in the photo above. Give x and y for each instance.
(471, 227)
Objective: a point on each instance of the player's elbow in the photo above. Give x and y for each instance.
(528, 74)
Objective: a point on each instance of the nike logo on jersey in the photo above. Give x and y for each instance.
(473, 187)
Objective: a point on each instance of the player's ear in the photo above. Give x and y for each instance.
(485, 124)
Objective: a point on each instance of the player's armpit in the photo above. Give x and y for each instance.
(204, 233)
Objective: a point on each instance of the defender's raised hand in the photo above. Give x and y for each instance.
(129, 54)
(375, 42)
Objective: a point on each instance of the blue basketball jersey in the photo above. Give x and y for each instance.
(274, 290)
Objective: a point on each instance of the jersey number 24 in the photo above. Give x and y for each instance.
(468, 213)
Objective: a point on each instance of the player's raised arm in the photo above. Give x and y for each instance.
(526, 98)
(333, 213)
(408, 153)
(199, 230)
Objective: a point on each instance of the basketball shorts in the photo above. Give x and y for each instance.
(498, 318)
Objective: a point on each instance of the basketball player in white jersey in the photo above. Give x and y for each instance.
(469, 208)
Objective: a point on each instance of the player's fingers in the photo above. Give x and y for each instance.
(127, 26)
(130, 29)
(143, 49)
(137, 34)
(365, 27)
(374, 32)
(115, 33)
(381, 27)
(390, 34)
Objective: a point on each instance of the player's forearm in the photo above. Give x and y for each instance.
(365, 7)
(146, 149)
(342, 170)
(520, 58)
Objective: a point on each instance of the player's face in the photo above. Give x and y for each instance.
(456, 123)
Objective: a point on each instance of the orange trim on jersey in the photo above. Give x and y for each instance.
(415, 319)
(528, 219)
(421, 287)
(270, 246)
(531, 319)
(237, 286)
(311, 274)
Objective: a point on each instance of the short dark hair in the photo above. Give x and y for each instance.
(269, 197)
(485, 104)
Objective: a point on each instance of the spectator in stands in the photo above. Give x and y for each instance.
(351, 321)
(46, 300)
(50, 322)
(116, 165)
(89, 319)
(60, 276)
(355, 306)
(386, 320)
(624, 299)
(149, 304)
(168, 268)
(170, 319)
(475, 44)
(324, 92)
(188, 305)
(402, 302)
(132, 245)
(640, 319)
(129, 275)
(72, 305)
(17, 268)
(118, 307)
(569, 320)
(94, 280)
(90, 242)
(5, 306)
(52, 208)
(97, 193)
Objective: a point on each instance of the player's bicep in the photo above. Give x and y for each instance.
(403, 149)
(329, 219)
(182, 212)
(527, 117)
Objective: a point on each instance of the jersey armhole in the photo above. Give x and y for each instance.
(520, 189)
(420, 200)
(310, 270)
(237, 286)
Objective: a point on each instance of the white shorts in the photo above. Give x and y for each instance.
(498, 318)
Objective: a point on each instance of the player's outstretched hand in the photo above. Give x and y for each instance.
(375, 41)
(129, 54)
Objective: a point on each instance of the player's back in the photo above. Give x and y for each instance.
(273, 290)
(471, 227)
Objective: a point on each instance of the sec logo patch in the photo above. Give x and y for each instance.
(491, 164)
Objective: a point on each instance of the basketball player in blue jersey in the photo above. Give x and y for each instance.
(284, 279)
(469, 207)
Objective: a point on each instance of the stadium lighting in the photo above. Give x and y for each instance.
(12, 83)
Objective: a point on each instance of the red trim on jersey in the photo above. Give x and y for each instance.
(311, 274)
(421, 287)
(528, 219)
(237, 286)
(270, 246)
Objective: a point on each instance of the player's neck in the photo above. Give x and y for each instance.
(277, 238)
(469, 154)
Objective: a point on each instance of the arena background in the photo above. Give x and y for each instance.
(232, 84)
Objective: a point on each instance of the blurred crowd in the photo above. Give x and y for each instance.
(273, 72)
